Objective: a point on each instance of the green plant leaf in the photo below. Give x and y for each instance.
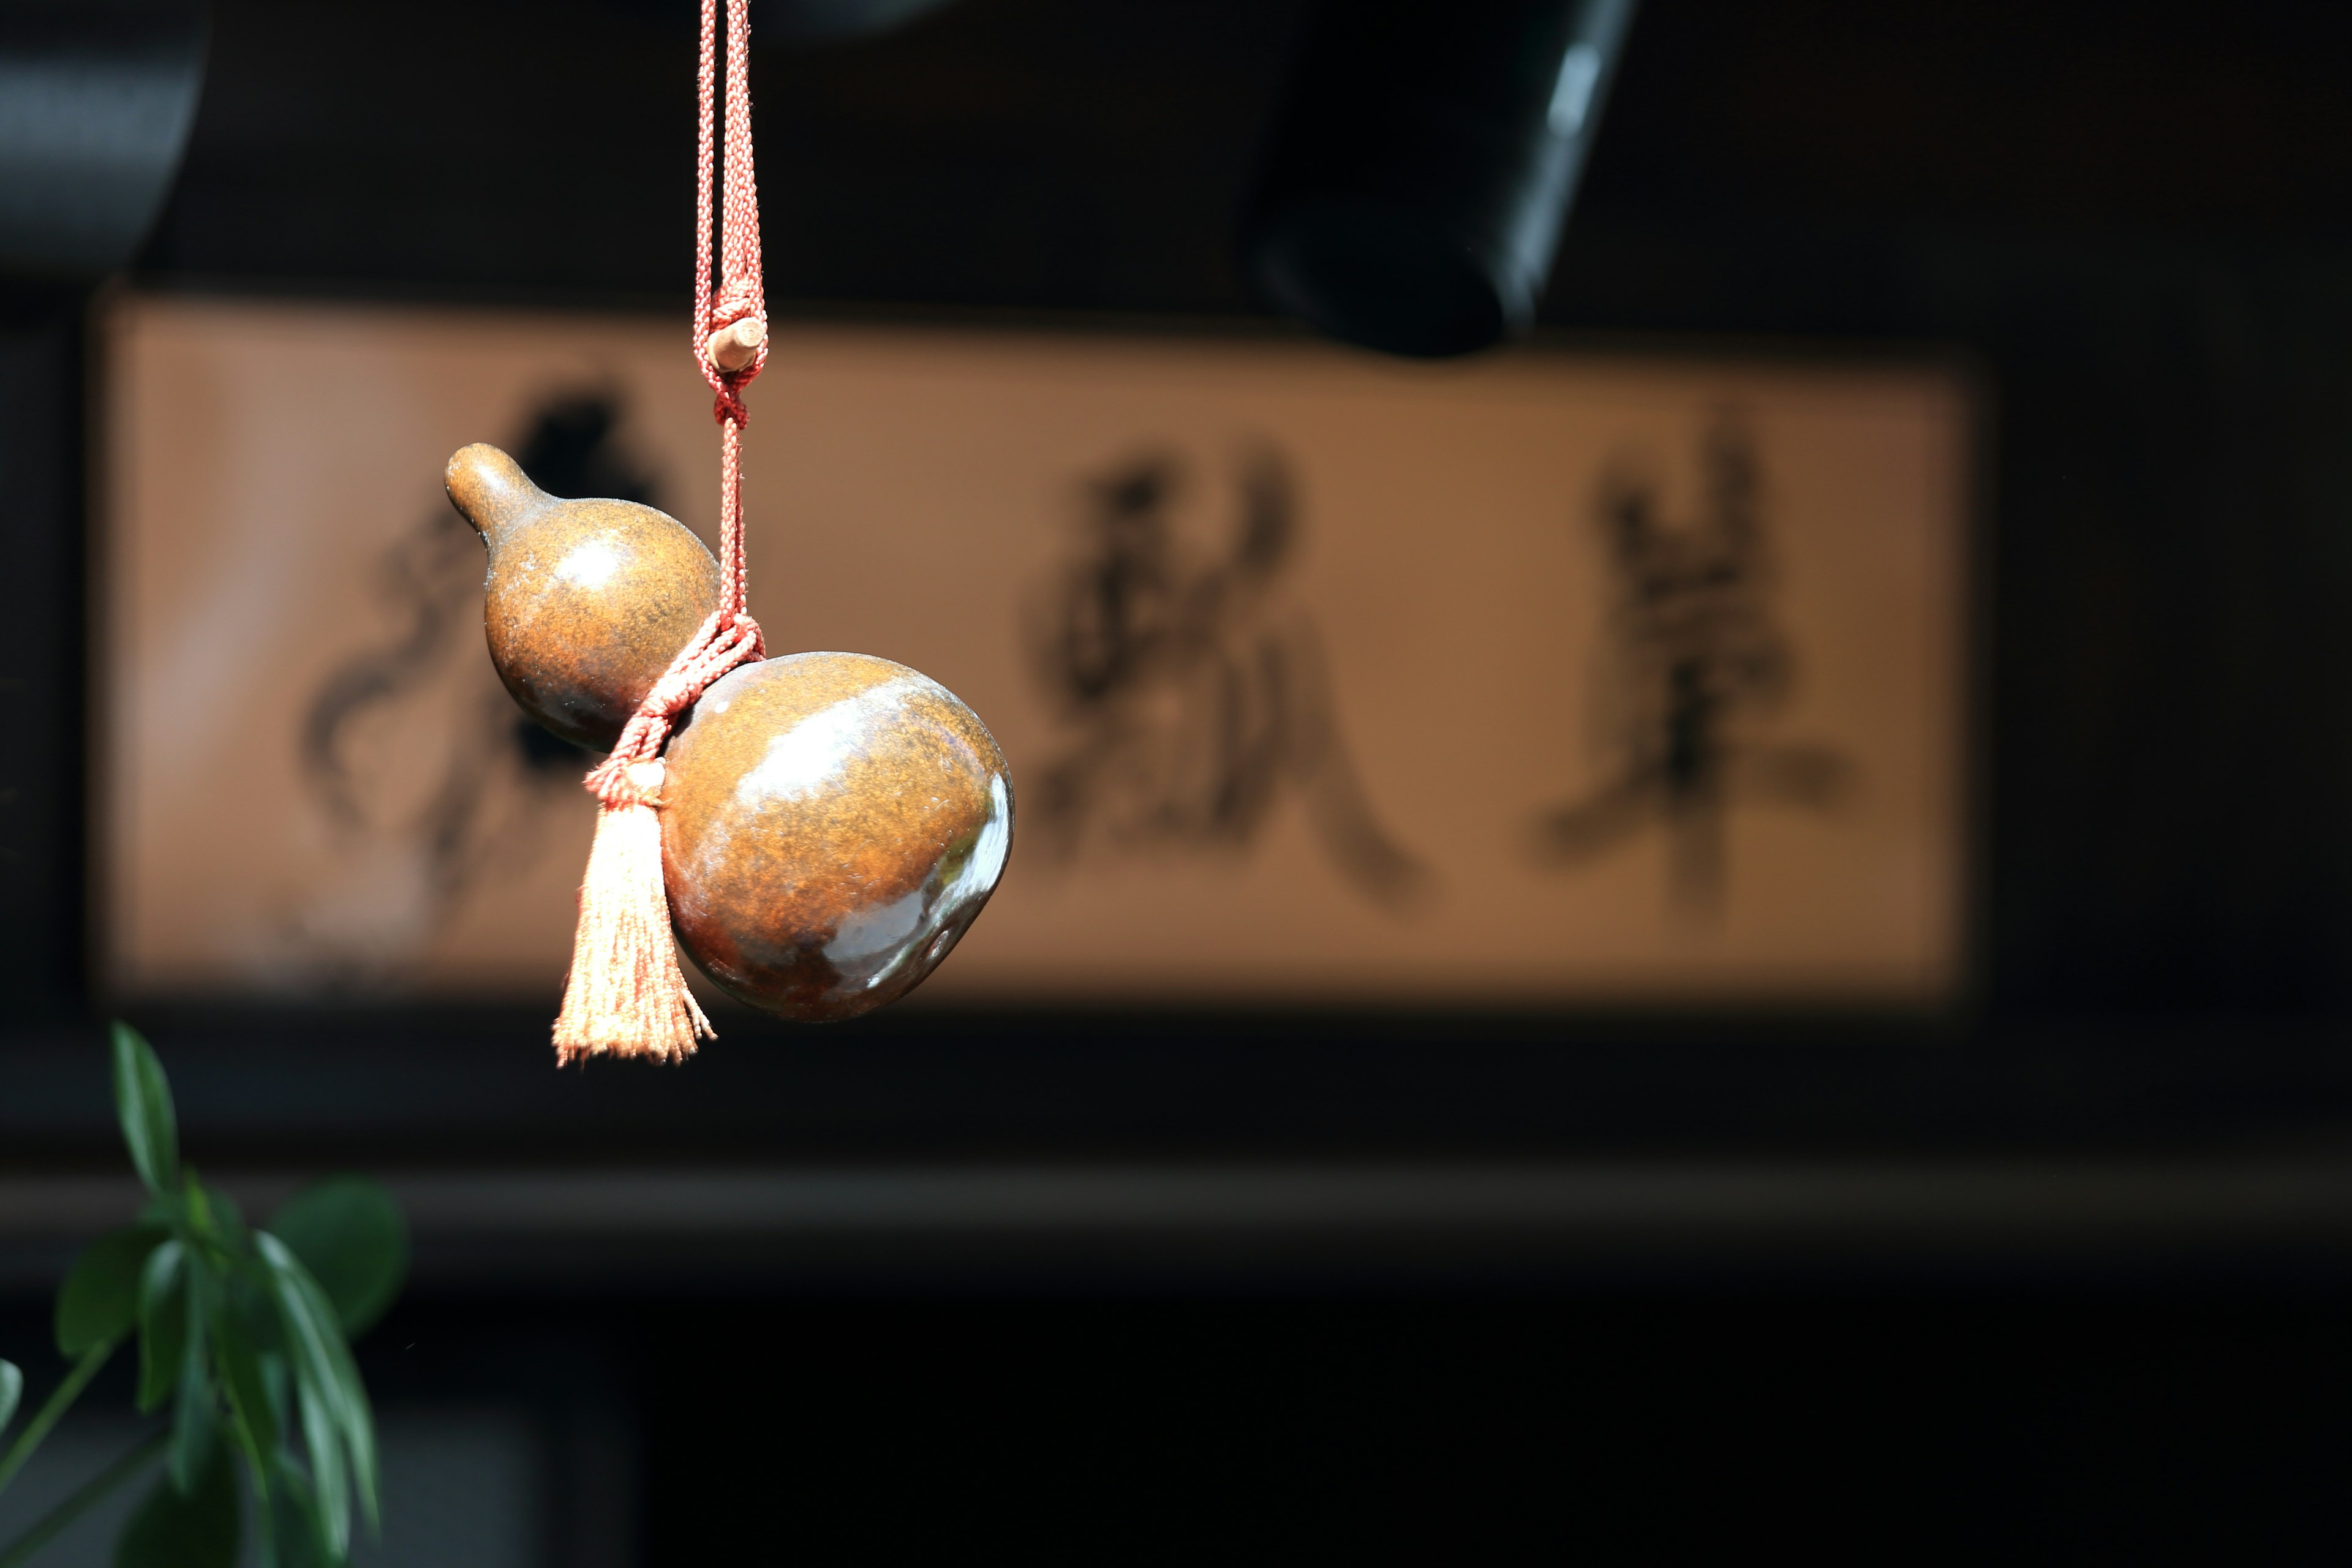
(196, 1205)
(297, 1532)
(329, 1466)
(354, 1418)
(253, 1420)
(195, 1431)
(349, 1235)
(195, 1413)
(163, 1323)
(142, 1103)
(277, 1383)
(196, 1531)
(227, 1219)
(338, 1429)
(99, 1302)
(12, 1389)
(253, 1303)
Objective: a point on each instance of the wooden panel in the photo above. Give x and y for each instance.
(1553, 678)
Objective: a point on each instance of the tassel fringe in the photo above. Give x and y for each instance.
(625, 995)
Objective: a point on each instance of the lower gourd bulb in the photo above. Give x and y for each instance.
(832, 825)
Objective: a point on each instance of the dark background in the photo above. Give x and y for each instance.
(2078, 1248)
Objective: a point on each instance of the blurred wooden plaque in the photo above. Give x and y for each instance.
(1548, 679)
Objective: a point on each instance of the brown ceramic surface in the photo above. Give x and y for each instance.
(588, 600)
(831, 825)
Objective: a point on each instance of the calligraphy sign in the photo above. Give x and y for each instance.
(1553, 679)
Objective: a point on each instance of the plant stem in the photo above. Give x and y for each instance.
(38, 1427)
(22, 1549)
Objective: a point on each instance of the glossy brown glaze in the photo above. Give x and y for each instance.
(588, 601)
(831, 825)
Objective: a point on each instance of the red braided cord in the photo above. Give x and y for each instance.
(730, 636)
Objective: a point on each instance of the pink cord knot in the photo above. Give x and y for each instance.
(722, 642)
(738, 303)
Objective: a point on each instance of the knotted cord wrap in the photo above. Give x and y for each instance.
(625, 995)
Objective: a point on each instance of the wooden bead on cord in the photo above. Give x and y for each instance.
(733, 348)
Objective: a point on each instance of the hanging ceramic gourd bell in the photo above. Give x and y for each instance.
(587, 601)
(831, 823)
(816, 831)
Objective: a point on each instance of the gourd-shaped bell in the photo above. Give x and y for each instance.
(832, 824)
(586, 602)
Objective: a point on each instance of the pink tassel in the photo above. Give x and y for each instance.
(625, 995)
